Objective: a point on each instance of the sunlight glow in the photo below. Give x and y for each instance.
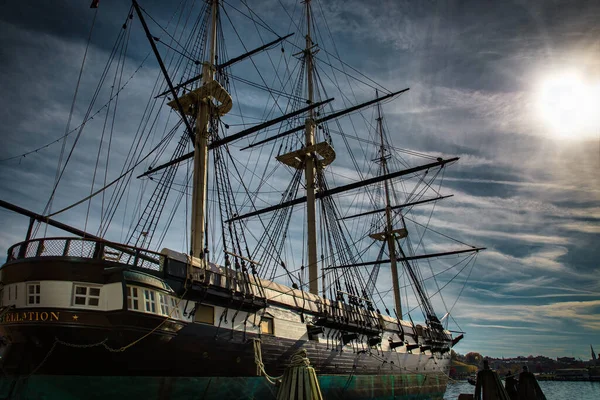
(570, 105)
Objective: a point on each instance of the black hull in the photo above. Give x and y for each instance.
(206, 354)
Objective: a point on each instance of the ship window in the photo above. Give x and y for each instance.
(204, 314)
(15, 291)
(33, 293)
(164, 304)
(86, 296)
(150, 301)
(175, 307)
(133, 302)
(266, 325)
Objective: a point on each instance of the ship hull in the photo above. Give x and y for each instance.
(196, 361)
(139, 340)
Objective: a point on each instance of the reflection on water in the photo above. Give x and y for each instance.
(552, 389)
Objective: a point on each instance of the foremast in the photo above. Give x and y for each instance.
(389, 234)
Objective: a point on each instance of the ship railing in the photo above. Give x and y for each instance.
(87, 248)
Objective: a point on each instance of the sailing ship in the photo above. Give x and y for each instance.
(264, 276)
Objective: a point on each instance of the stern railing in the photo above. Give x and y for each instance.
(87, 248)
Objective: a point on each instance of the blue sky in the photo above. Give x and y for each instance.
(527, 186)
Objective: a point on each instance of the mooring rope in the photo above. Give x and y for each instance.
(299, 359)
(260, 366)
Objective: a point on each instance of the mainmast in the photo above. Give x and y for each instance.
(389, 232)
(309, 167)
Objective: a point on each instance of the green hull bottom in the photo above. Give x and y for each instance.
(51, 387)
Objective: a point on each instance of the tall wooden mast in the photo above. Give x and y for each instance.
(204, 103)
(309, 167)
(390, 234)
(201, 147)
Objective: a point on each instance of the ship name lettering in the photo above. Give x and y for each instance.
(31, 316)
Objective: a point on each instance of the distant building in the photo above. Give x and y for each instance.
(572, 374)
(566, 360)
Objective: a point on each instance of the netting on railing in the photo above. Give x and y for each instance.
(13, 252)
(79, 248)
(150, 261)
(31, 249)
(50, 247)
(139, 258)
(86, 248)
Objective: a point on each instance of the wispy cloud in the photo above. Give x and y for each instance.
(476, 161)
(545, 258)
(525, 328)
(581, 312)
(586, 227)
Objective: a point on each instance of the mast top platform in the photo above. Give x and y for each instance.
(296, 159)
(211, 90)
(400, 233)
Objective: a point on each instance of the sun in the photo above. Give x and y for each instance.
(569, 105)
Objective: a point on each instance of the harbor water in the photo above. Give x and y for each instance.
(554, 390)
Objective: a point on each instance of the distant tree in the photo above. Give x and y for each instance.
(473, 358)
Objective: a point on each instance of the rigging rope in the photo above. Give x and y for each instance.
(111, 183)
(146, 125)
(447, 283)
(58, 170)
(461, 290)
(122, 56)
(85, 121)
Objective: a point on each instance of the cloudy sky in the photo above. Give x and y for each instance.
(511, 87)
